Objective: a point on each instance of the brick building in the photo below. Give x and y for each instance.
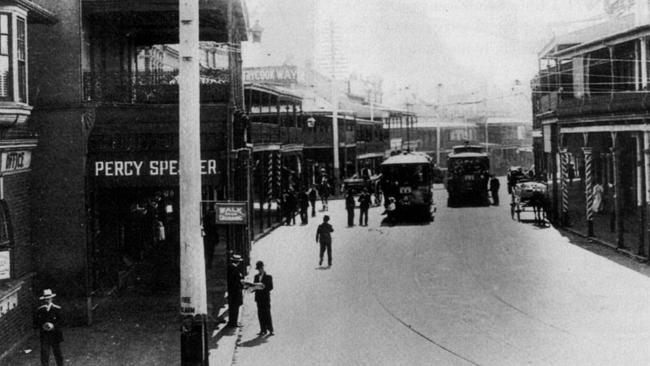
(18, 140)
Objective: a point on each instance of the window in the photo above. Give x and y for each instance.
(5, 225)
(5, 56)
(21, 43)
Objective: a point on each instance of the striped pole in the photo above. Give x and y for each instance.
(589, 192)
(278, 172)
(269, 177)
(564, 166)
(639, 193)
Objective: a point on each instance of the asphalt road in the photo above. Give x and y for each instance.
(472, 288)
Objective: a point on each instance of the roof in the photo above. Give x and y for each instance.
(505, 121)
(37, 13)
(468, 155)
(279, 91)
(572, 41)
(407, 158)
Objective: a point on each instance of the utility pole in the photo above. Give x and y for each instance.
(193, 293)
(335, 110)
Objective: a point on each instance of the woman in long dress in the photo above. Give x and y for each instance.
(598, 191)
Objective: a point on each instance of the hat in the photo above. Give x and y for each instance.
(236, 258)
(47, 294)
(259, 265)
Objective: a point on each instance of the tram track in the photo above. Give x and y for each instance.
(405, 324)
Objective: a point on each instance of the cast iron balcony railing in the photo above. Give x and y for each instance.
(152, 87)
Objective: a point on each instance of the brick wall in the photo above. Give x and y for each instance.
(17, 323)
(16, 190)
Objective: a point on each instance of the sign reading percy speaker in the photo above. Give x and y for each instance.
(231, 213)
(130, 168)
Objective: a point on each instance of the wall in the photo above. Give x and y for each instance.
(55, 55)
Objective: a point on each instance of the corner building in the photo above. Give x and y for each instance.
(105, 93)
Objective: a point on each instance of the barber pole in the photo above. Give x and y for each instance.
(564, 156)
(278, 172)
(269, 177)
(589, 193)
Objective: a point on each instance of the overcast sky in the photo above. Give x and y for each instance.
(461, 44)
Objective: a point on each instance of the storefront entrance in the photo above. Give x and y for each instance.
(136, 237)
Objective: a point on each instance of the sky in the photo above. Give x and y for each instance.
(426, 46)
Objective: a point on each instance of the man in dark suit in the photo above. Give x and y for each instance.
(49, 319)
(235, 296)
(350, 204)
(263, 286)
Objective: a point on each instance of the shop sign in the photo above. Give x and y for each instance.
(137, 168)
(232, 213)
(5, 264)
(279, 74)
(13, 161)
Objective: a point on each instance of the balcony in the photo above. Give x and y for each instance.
(151, 88)
(619, 102)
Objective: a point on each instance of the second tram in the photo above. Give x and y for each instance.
(408, 179)
(468, 175)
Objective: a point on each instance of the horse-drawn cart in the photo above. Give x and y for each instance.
(529, 196)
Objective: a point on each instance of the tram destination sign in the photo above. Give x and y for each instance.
(137, 168)
(232, 213)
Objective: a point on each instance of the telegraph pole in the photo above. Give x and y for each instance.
(193, 293)
(335, 111)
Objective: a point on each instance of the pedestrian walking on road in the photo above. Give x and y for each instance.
(235, 287)
(349, 206)
(263, 284)
(364, 206)
(303, 205)
(324, 237)
(324, 194)
(49, 320)
(312, 200)
(494, 189)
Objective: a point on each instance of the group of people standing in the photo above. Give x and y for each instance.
(262, 285)
(293, 202)
(364, 206)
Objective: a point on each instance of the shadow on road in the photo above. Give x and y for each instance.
(404, 222)
(253, 342)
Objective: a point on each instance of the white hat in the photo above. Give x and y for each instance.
(47, 294)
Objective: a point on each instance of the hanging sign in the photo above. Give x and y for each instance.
(232, 213)
(5, 264)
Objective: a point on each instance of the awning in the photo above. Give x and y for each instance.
(370, 155)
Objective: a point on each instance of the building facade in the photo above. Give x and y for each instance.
(106, 182)
(591, 136)
(18, 140)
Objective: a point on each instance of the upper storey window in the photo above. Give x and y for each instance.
(13, 55)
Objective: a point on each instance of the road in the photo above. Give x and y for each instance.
(472, 288)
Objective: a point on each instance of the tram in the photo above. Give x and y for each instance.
(408, 178)
(467, 175)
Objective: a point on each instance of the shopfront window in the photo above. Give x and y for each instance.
(6, 241)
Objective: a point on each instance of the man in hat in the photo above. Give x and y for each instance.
(325, 239)
(49, 319)
(263, 284)
(235, 296)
